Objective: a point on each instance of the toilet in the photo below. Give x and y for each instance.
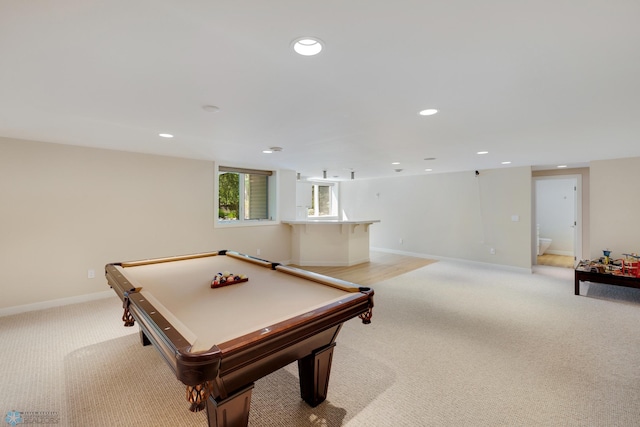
(543, 245)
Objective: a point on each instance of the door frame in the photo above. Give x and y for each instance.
(577, 230)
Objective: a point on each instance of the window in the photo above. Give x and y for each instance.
(324, 200)
(245, 195)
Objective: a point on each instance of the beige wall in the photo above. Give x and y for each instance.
(451, 215)
(65, 210)
(615, 206)
(68, 209)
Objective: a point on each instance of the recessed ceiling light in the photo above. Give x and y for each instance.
(211, 108)
(483, 152)
(428, 112)
(506, 163)
(562, 166)
(307, 46)
(272, 150)
(429, 158)
(165, 135)
(395, 163)
(428, 170)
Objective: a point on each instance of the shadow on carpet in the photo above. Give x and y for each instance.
(120, 382)
(613, 293)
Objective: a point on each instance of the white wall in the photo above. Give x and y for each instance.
(555, 213)
(65, 210)
(452, 215)
(615, 206)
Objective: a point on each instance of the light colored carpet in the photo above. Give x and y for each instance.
(450, 345)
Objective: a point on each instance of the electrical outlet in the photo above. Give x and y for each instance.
(257, 251)
(492, 251)
(91, 274)
(401, 241)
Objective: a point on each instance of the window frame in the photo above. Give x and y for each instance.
(335, 198)
(272, 185)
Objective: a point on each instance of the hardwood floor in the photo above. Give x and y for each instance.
(382, 266)
(556, 260)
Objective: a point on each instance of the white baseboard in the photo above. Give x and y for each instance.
(8, 311)
(461, 260)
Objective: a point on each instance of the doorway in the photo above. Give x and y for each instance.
(557, 220)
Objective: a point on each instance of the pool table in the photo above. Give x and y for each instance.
(220, 340)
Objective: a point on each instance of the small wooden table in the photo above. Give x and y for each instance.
(584, 273)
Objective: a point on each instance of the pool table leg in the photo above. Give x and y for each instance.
(143, 338)
(314, 371)
(232, 411)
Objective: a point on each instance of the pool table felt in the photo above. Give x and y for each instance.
(181, 292)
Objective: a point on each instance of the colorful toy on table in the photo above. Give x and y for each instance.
(631, 264)
(628, 266)
(225, 279)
